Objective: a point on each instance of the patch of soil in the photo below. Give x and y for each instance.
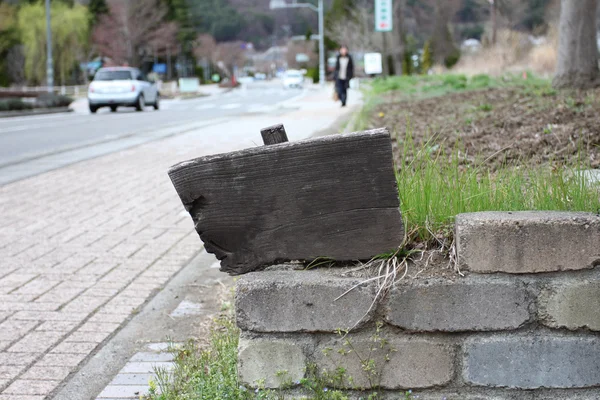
(501, 125)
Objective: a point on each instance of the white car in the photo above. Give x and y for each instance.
(293, 79)
(122, 86)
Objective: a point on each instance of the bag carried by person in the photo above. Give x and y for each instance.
(335, 96)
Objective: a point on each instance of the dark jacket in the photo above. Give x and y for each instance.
(349, 71)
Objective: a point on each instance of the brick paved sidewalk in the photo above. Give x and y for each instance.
(84, 246)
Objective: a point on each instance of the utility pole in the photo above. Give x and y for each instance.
(49, 62)
(321, 45)
(168, 62)
(494, 21)
(275, 4)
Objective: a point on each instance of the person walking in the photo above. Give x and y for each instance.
(344, 71)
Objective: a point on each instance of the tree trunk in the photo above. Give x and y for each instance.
(399, 36)
(577, 65)
(442, 42)
(384, 55)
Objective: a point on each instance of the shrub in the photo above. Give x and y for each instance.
(14, 105)
(51, 100)
(452, 59)
(427, 58)
(313, 73)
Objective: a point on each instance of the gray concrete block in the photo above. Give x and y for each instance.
(571, 305)
(532, 362)
(270, 362)
(300, 301)
(528, 241)
(469, 304)
(394, 363)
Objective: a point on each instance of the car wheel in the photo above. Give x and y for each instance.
(157, 103)
(113, 108)
(93, 109)
(141, 103)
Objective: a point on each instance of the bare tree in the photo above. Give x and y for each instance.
(204, 48)
(577, 65)
(230, 55)
(133, 30)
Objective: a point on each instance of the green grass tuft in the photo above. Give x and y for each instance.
(434, 189)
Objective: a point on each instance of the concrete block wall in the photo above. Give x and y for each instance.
(523, 323)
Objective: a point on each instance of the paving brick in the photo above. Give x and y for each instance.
(528, 241)
(12, 298)
(15, 280)
(145, 367)
(101, 292)
(22, 386)
(92, 337)
(36, 342)
(470, 304)
(107, 317)
(108, 327)
(85, 304)
(61, 359)
(531, 362)
(152, 357)
(4, 315)
(60, 295)
(133, 379)
(124, 391)
(96, 269)
(122, 301)
(58, 326)
(46, 373)
(29, 306)
(572, 305)
(17, 358)
(15, 329)
(21, 397)
(264, 300)
(37, 286)
(9, 372)
(75, 347)
(49, 316)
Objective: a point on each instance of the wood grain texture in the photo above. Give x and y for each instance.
(274, 134)
(334, 196)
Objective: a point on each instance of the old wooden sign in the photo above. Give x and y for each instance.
(333, 196)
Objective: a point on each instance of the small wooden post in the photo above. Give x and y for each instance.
(274, 134)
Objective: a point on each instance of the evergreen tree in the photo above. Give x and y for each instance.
(97, 8)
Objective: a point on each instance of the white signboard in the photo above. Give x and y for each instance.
(373, 64)
(384, 16)
(189, 85)
(302, 58)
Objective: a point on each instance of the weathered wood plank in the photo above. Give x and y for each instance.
(274, 134)
(334, 196)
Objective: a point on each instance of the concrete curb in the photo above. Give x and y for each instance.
(41, 111)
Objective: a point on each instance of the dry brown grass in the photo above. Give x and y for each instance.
(513, 52)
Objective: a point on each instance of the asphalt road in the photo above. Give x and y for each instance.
(31, 145)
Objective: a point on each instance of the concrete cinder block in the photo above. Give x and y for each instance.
(532, 362)
(270, 362)
(388, 362)
(469, 304)
(300, 301)
(571, 305)
(528, 241)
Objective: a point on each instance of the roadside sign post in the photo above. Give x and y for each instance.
(384, 16)
(373, 64)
